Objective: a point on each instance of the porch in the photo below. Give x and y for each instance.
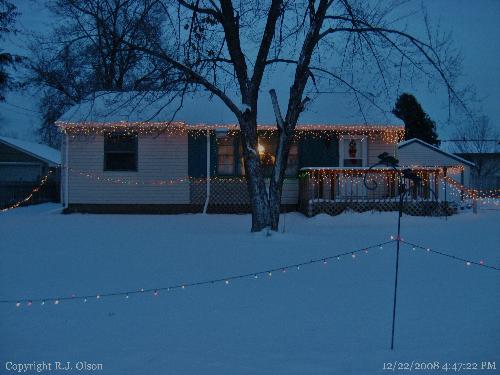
(334, 190)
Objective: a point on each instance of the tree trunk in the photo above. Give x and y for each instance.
(276, 184)
(255, 179)
(280, 162)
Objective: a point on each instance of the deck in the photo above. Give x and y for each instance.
(334, 190)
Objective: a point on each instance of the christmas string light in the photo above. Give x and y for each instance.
(36, 189)
(468, 262)
(473, 193)
(155, 291)
(389, 133)
(255, 275)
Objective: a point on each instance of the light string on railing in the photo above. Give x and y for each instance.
(467, 262)
(36, 189)
(221, 280)
(251, 275)
(458, 194)
(473, 193)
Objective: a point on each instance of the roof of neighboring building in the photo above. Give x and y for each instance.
(45, 153)
(434, 148)
(103, 108)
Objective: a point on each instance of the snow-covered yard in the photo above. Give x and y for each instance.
(332, 318)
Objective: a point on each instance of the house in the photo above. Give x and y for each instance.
(121, 154)
(415, 152)
(22, 166)
(454, 175)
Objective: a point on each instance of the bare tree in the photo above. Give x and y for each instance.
(8, 14)
(86, 53)
(229, 48)
(474, 140)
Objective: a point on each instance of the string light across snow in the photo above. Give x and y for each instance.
(268, 273)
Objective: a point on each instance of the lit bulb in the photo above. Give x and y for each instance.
(18, 304)
(56, 302)
(468, 263)
(353, 255)
(227, 282)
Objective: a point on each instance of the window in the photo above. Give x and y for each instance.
(230, 157)
(267, 149)
(120, 152)
(225, 156)
(353, 151)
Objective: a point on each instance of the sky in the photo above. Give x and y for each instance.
(474, 25)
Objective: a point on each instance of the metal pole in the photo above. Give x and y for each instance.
(66, 172)
(398, 240)
(445, 194)
(205, 207)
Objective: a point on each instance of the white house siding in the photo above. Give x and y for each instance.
(290, 193)
(376, 146)
(159, 158)
(418, 154)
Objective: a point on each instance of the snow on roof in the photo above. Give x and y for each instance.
(39, 151)
(200, 109)
(453, 156)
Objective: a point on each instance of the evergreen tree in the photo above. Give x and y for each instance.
(418, 124)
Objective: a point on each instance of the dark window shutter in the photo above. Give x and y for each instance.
(197, 155)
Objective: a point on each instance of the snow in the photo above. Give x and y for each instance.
(48, 154)
(105, 107)
(432, 147)
(322, 319)
(245, 107)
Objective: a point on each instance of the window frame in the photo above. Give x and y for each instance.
(230, 145)
(135, 152)
(364, 150)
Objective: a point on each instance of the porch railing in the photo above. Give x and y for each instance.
(333, 189)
